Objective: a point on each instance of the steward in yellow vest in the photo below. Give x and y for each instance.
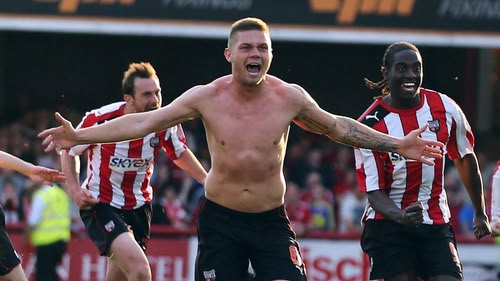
(50, 229)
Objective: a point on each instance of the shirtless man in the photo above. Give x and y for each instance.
(247, 117)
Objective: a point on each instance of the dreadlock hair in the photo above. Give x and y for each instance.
(387, 61)
(136, 70)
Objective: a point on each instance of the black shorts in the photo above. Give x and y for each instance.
(428, 250)
(104, 223)
(228, 240)
(9, 258)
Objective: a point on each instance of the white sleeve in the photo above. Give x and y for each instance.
(175, 142)
(367, 170)
(495, 195)
(36, 212)
(462, 138)
(79, 149)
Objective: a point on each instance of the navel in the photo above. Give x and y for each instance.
(222, 142)
(275, 142)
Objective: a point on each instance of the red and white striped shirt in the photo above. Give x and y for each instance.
(404, 180)
(119, 173)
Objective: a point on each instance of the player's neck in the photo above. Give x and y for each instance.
(129, 109)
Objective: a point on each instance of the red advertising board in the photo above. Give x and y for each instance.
(172, 258)
(168, 258)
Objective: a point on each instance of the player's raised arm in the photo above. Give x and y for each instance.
(126, 127)
(350, 132)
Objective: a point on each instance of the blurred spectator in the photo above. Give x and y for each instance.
(25, 199)
(77, 226)
(487, 166)
(50, 160)
(176, 214)
(323, 217)
(298, 211)
(455, 195)
(18, 179)
(314, 163)
(343, 165)
(351, 206)
(161, 177)
(294, 159)
(10, 201)
(313, 179)
(466, 218)
(190, 193)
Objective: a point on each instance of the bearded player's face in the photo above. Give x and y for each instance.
(147, 95)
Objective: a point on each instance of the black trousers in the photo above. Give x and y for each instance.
(48, 258)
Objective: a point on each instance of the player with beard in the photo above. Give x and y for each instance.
(115, 198)
(247, 116)
(406, 223)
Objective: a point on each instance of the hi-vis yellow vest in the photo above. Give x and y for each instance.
(55, 224)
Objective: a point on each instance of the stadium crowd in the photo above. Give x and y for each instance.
(322, 193)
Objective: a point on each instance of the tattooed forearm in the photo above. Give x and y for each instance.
(348, 131)
(315, 126)
(358, 135)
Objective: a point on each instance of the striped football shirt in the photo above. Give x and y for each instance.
(119, 173)
(405, 180)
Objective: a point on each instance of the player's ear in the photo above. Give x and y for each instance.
(227, 54)
(127, 98)
(385, 72)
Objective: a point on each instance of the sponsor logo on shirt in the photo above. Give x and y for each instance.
(395, 157)
(120, 164)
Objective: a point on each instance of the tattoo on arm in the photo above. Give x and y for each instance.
(358, 135)
(350, 132)
(316, 126)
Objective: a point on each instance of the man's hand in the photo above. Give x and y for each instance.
(46, 176)
(413, 214)
(60, 137)
(84, 199)
(412, 146)
(495, 228)
(481, 226)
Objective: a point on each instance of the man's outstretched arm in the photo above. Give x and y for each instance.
(350, 132)
(38, 174)
(126, 127)
(347, 131)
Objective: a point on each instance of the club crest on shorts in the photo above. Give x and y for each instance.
(209, 275)
(434, 125)
(297, 259)
(110, 226)
(154, 142)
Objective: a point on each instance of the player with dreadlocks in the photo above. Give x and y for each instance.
(407, 232)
